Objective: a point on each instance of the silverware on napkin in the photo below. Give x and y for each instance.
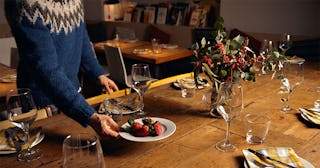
(260, 155)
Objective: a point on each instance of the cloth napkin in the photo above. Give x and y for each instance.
(310, 115)
(13, 137)
(283, 154)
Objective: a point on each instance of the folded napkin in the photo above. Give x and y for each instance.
(283, 154)
(8, 78)
(12, 139)
(310, 115)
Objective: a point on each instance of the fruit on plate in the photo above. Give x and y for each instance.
(148, 127)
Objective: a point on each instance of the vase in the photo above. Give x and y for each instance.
(210, 99)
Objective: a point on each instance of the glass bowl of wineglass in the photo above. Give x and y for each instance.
(292, 77)
(285, 43)
(141, 80)
(22, 113)
(229, 106)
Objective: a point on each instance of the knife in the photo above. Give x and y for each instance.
(260, 155)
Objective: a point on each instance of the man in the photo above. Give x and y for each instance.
(53, 44)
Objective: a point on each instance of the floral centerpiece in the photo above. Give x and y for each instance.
(231, 59)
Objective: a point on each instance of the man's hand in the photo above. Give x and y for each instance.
(104, 126)
(107, 85)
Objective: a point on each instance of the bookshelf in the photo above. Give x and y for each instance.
(202, 13)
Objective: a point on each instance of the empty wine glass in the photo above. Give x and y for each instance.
(22, 113)
(82, 150)
(293, 76)
(265, 50)
(285, 43)
(141, 80)
(229, 105)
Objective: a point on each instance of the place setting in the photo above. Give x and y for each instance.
(312, 115)
(12, 139)
(8, 78)
(257, 128)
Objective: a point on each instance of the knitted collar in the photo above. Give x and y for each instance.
(59, 15)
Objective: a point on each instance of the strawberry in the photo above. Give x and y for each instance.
(142, 132)
(157, 128)
(136, 126)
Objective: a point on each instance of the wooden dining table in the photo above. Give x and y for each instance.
(132, 50)
(193, 142)
(4, 85)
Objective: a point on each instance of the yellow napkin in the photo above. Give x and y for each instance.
(283, 154)
(6, 136)
(310, 115)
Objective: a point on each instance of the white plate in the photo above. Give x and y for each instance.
(168, 128)
(170, 46)
(128, 105)
(305, 163)
(309, 119)
(34, 143)
(8, 78)
(142, 51)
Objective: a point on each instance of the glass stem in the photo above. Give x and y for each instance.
(227, 143)
(288, 98)
(141, 104)
(26, 130)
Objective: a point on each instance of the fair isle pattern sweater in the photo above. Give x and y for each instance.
(53, 44)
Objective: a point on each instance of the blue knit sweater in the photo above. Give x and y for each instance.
(53, 44)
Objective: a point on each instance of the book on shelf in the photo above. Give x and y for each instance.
(137, 14)
(149, 14)
(161, 15)
(178, 14)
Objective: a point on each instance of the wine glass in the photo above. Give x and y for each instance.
(82, 150)
(229, 105)
(22, 113)
(292, 77)
(141, 80)
(285, 43)
(265, 50)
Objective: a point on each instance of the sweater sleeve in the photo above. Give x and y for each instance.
(89, 62)
(39, 52)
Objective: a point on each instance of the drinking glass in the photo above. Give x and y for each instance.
(82, 150)
(266, 48)
(293, 76)
(229, 105)
(141, 80)
(22, 113)
(285, 43)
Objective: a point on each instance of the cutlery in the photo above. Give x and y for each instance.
(260, 155)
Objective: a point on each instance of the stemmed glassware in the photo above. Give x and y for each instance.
(293, 76)
(266, 48)
(285, 43)
(22, 113)
(141, 80)
(229, 105)
(82, 150)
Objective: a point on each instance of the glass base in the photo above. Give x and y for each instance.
(140, 114)
(287, 109)
(223, 147)
(29, 155)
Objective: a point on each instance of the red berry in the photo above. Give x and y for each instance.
(157, 128)
(142, 132)
(136, 126)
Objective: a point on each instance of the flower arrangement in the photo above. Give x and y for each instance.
(231, 59)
